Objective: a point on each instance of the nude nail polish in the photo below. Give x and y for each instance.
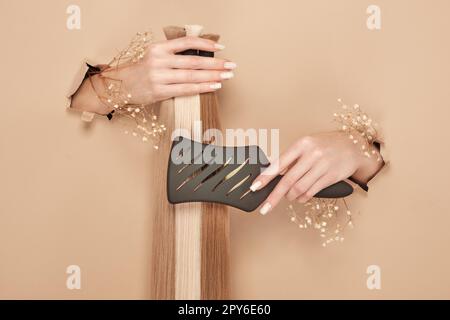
(216, 86)
(265, 208)
(226, 75)
(255, 186)
(219, 46)
(229, 65)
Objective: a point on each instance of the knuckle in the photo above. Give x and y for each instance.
(190, 76)
(317, 153)
(306, 141)
(195, 62)
(289, 181)
(299, 189)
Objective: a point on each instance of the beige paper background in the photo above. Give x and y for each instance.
(71, 194)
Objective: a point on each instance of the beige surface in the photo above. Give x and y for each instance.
(77, 195)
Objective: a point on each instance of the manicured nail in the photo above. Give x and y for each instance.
(219, 46)
(265, 208)
(216, 86)
(227, 75)
(229, 65)
(255, 186)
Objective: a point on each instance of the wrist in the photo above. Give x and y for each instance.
(368, 168)
(86, 98)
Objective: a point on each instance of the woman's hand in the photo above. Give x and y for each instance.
(314, 163)
(162, 74)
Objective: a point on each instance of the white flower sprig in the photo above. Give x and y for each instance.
(330, 217)
(361, 129)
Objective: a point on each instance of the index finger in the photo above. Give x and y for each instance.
(196, 62)
(189, 42)
(278, 166)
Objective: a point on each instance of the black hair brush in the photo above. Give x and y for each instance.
(208, 173)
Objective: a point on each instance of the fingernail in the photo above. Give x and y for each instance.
(227, 75)
(229, 65)
(255, 186)
(266, 208)
(219, 46)
(217, 85)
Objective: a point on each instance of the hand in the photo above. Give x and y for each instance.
(314, 163)
(162, 74)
